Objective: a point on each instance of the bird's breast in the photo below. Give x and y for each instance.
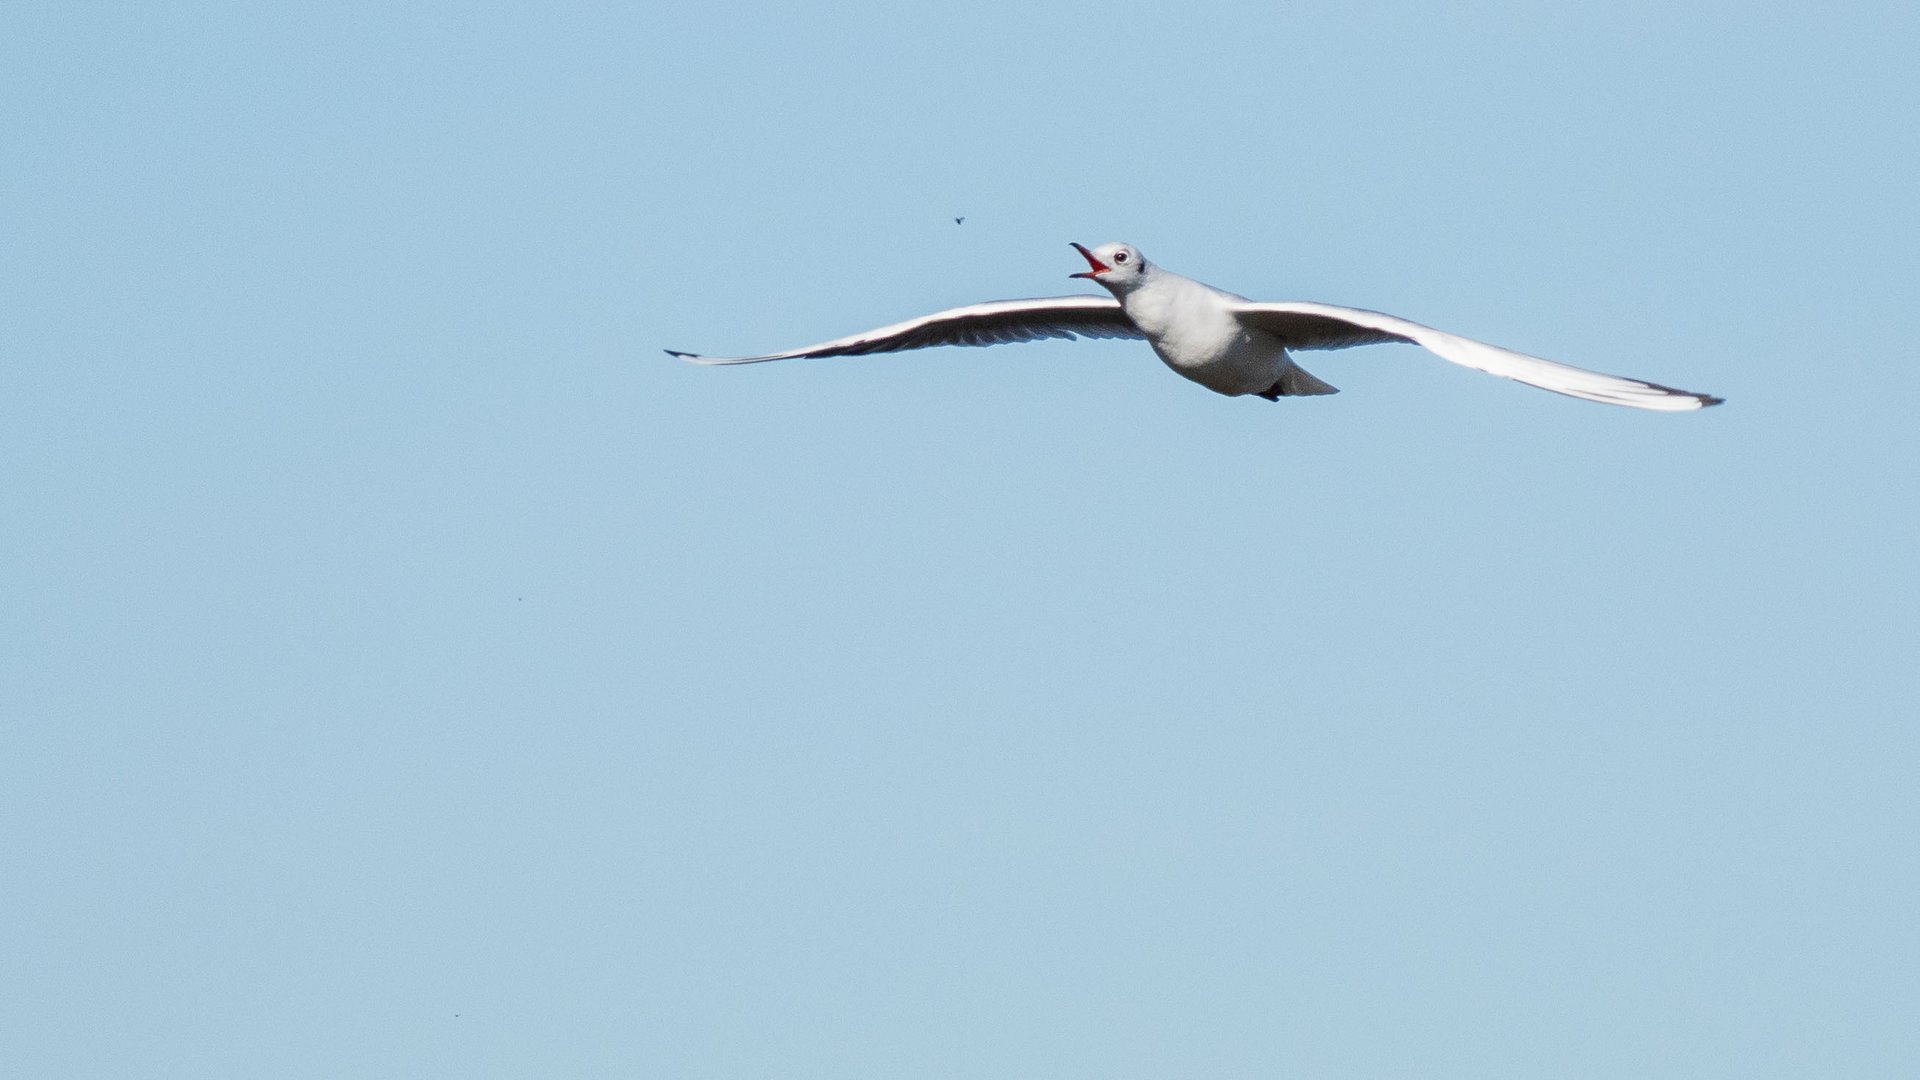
(1195, 332)
(1185, 324)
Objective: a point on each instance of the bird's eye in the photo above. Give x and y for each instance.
(1121, 257)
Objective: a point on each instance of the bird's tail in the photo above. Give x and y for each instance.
(1296, 381)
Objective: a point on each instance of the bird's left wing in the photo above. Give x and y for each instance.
(994, 323)
(1325, 326)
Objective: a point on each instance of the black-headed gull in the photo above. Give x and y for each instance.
(1226, 343)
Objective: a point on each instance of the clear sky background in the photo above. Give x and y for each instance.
(407, 670)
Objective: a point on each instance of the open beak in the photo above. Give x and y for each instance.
(1098, 267)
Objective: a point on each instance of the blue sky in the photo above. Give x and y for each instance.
(409, 670)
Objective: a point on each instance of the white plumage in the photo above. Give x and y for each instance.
(1224, 342)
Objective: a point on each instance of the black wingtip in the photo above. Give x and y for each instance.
(1708, 401)
(678, 354)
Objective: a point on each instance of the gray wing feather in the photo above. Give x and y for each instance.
(998, 322)
(1325, 326)
(1305, 330)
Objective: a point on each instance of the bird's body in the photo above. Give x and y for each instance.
(1192, 328)
(1224, 342)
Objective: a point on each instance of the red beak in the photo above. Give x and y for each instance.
(1098, 266)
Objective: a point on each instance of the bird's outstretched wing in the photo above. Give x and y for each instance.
(1325, 326)
(994, 323)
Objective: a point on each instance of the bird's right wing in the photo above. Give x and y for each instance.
(994, 323)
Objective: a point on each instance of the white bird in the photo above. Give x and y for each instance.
(1226, 343)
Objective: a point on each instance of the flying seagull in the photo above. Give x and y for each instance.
(1226, 343)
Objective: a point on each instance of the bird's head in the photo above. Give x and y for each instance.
(1117, 266)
